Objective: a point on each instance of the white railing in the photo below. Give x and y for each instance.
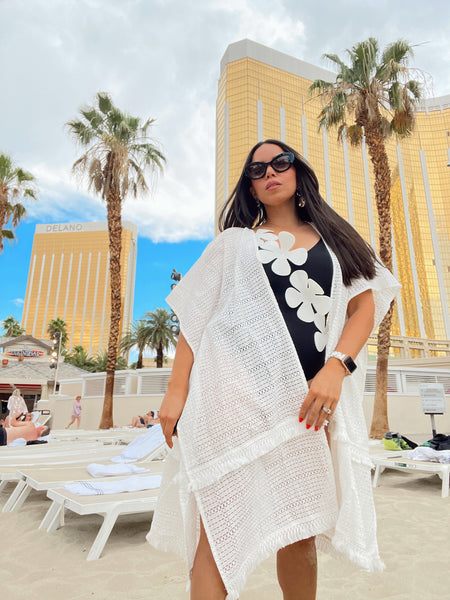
(148, 382)
(406, 381)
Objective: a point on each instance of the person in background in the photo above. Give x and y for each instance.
(16, 405)
(76, 412)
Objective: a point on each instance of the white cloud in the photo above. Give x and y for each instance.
(18, 301)
(160, 58)
(264, 22)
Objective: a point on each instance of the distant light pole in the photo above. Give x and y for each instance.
(56, 351)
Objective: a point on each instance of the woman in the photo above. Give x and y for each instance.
(76, 413)
(16, 405)
(269, 362)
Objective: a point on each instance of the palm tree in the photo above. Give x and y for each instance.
(12, 327)
(161, 335)
(80, 358)
(376, 95)
(101, 362)
(15, 184)
(137, 336)
(58, 325)
(118, 154)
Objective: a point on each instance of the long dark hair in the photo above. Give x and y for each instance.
(354, 254)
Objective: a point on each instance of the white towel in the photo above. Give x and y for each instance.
(18, 442)
(426, 453)
(141, 446)
(131, 484)
(97, 470)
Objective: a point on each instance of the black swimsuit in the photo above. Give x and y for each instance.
(304, 301)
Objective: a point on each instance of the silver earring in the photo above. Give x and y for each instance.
(299, 198)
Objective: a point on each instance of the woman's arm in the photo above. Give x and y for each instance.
(177, 389)
(325, 388)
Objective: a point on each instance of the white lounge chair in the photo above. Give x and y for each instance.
(401, 463)
(110, 507)
(30, 477)
(9, 468)
(54, 478)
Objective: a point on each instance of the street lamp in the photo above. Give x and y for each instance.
(56, 351)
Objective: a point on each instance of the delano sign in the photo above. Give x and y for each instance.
(63, 227)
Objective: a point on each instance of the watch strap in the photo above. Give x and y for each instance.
(346, 360)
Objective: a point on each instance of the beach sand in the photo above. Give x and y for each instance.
(414, 534)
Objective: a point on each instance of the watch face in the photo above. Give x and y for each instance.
(350, 365)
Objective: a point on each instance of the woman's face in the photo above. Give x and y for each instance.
(274, 189)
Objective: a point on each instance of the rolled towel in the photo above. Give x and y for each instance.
(141, 446)
(97, 470)
(131, 484)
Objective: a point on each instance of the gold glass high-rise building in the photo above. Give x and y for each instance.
(69, 278)
(263, 93)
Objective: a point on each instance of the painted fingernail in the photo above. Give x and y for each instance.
(300, 420)
(308, 426)
(316, 428)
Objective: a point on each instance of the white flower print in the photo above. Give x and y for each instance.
(281, 254)
(265, 236)
(321, 336)
(308, 296)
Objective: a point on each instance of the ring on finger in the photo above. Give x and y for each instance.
(327, 410)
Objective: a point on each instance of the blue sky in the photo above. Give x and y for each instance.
(161, 59)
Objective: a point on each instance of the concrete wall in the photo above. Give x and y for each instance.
(124, 408)
(405, 415)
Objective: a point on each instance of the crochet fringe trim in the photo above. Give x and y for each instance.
(204, 475)
(210, 472)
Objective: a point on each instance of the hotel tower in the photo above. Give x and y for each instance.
(69, 278)
(263, 93)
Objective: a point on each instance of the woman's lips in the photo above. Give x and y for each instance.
(272, 185)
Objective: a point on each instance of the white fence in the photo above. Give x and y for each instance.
(404, 381)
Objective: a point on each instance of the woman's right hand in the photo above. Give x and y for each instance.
(171, 408)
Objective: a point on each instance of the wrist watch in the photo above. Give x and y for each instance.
(346, 360)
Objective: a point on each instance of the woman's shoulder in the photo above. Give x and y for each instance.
(230, 236)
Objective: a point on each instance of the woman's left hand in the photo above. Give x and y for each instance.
(324, 392)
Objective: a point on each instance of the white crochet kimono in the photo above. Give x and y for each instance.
(259, 479)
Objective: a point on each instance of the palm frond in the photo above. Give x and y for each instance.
(82, 133)
(92, 116)
(105, 103)
(355, 134)
(319, 85)
(415, 88)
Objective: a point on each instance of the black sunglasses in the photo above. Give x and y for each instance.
(279, 163)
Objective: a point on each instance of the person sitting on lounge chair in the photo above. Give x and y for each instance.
(27, 430)
(144, 421)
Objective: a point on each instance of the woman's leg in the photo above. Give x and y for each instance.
(71, 422)
(78, 422)
(206, 582)
(297, 570)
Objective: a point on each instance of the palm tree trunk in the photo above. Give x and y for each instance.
(115, 247)
(377, 151)
(159, 357)
(139, 360)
